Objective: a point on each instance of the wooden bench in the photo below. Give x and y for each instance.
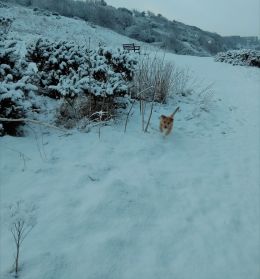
(132, 46)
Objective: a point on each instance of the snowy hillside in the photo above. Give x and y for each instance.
(130, 205)
(30, 24)
(146, 26)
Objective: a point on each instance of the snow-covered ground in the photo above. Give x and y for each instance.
(30, 24)
(134, 205)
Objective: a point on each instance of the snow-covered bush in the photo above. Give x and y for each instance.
(60, 70)
(15, 87)
(72, 72)
(3, 5)
(68, 70)
(5, 24)
(244, 57)
(41, 12)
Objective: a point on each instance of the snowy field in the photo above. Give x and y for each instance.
(134, 205)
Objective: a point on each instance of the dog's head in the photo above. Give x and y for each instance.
(166, 121)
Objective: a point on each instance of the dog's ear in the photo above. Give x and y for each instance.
(162, 116)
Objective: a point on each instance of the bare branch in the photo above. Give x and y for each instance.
(150, 115)
(129, 114)
(13, 233)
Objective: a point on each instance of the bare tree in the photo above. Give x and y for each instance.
(22, 221)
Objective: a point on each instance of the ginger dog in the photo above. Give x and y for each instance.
(166, 123)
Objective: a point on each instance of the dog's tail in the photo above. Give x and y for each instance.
(177, 109)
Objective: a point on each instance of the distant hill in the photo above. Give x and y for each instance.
(182, 38)
(147, 27)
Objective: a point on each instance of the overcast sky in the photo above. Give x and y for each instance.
(226, 17)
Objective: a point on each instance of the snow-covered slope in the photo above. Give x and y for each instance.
(30, 24)
(134, 205)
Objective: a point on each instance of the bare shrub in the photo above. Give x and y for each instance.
(154, 73)
(191, 90)
(183, 82)
(185, 85)
(81, 111)
(205, 93)
(22, 219)
(152, 83)
(157, 80)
